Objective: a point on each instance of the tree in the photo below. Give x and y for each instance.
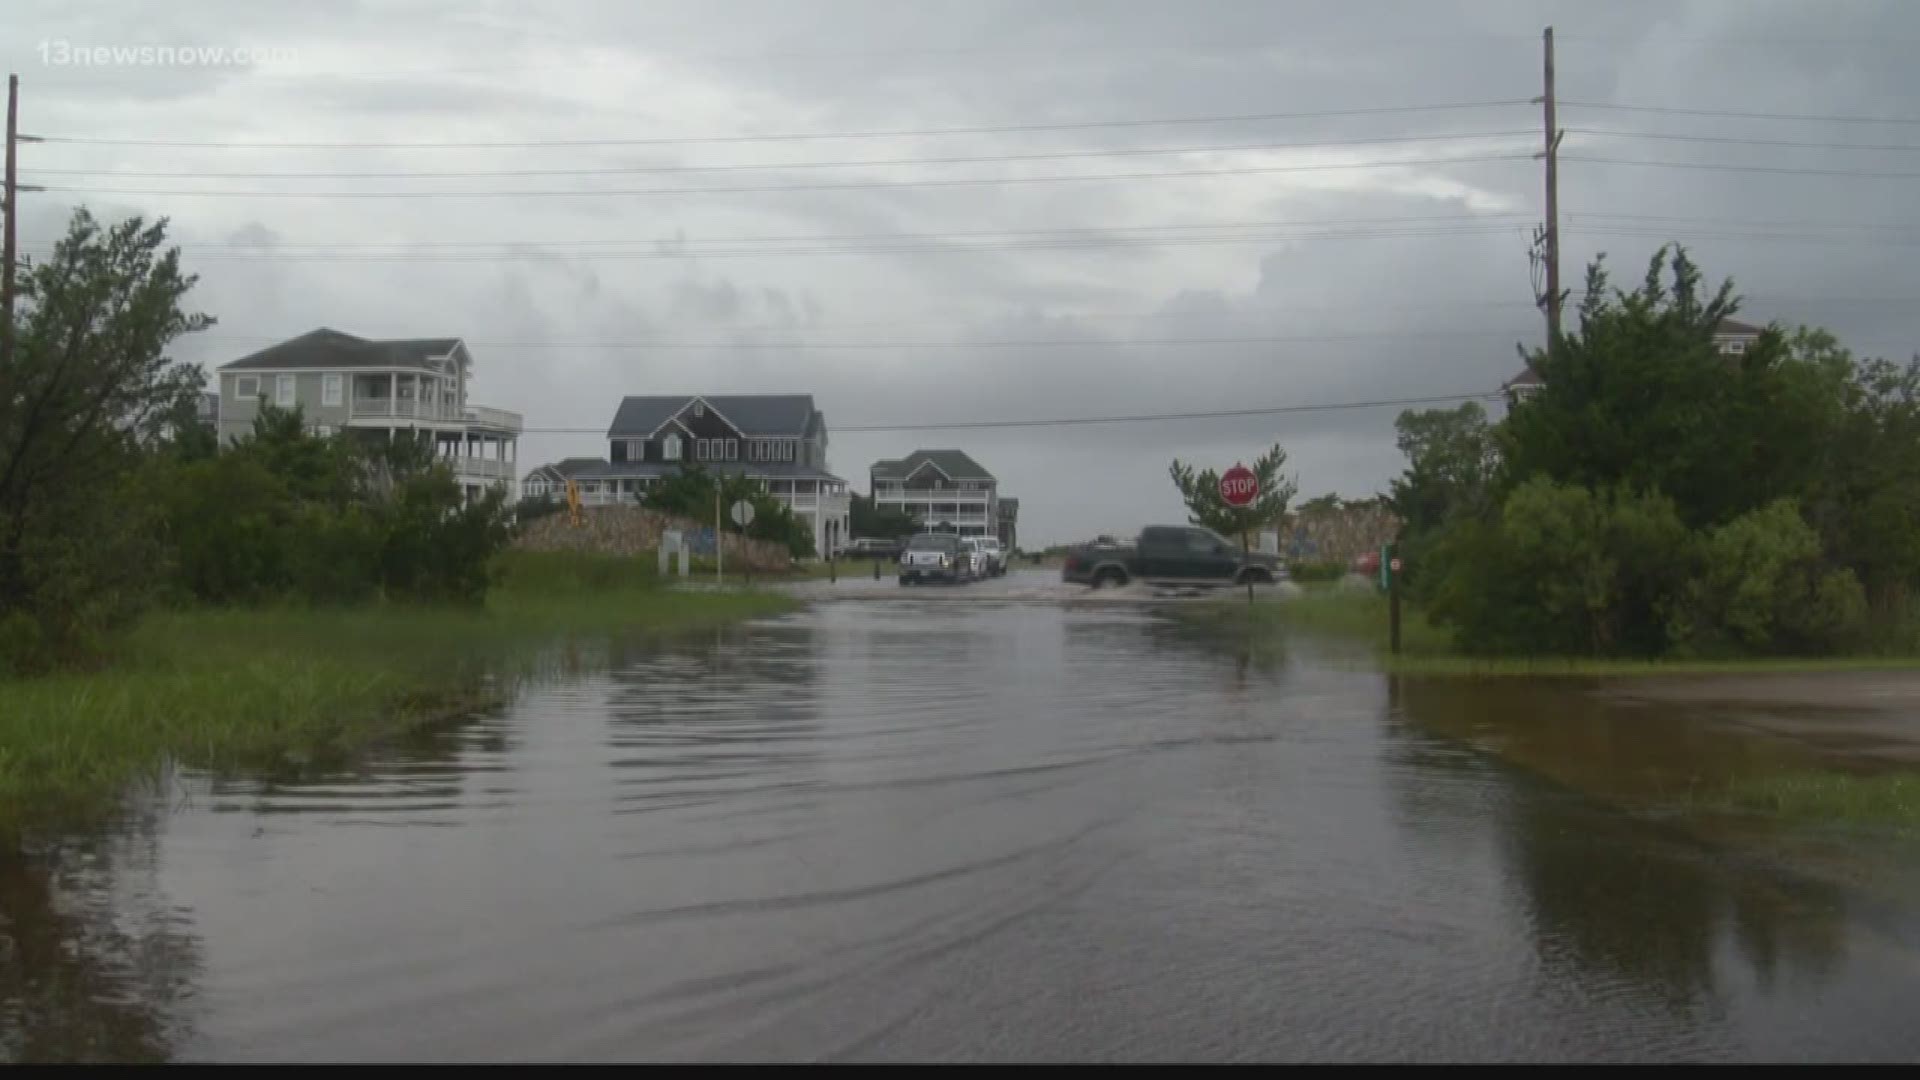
(88, 387)
(1323, 504)
(866, 519)
(1450, 467)
(689, 493)
(1201, 492)
(1640, 396)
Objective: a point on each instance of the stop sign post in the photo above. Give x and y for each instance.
(1238, 486)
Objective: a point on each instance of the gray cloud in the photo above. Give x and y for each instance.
(1373, 310)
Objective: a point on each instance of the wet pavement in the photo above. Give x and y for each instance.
(987, 831)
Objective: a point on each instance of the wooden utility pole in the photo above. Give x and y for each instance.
(11, 204)
(1551, 152)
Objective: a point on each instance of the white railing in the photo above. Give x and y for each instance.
(403, 408)
(497, 418)
(480, 468)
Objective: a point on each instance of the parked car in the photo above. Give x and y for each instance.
(979, 560)
(996, 555)
(872, 547)
(934, 557)
(1170, 555)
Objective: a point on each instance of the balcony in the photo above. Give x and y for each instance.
(402, 409)
(502, 419)
(492, 472)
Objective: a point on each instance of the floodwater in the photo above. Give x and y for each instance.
(986, 831)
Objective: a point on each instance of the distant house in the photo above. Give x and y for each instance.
(376, 389)
(207, 409)
(778, 439)
(943, 490)
(1009, 531)
(1731, 337)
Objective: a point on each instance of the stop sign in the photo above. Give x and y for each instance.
(1238, 486)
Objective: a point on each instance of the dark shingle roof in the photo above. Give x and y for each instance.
(782, 470)
(324, 348)
(1736, 328)
(568, 468)
(956, 464)
(754, 414)
(586, 468)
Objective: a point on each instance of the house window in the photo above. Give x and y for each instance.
(733, 449)
(699, 409)
(1736, 347)
(700, 449)
(670, 448)
(636, 449)
(332, 390)
(246, 387)
(283, 391)
(786, 450)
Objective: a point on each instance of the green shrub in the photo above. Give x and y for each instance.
(1307, 571)
(1765, 588)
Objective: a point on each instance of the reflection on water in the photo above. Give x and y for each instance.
(94, 964)
(970, 831)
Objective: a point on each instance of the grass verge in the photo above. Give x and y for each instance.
(241, 688)
(1824, 798)
(1361, 616)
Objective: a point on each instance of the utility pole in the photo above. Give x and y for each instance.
(11, 204)
(1551, 152)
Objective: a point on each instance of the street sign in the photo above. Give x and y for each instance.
(1395, 564)
(742, 513)
(1238, 486)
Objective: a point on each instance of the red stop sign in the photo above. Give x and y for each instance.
(1238, 486)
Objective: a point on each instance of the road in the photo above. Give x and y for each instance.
(957, 831)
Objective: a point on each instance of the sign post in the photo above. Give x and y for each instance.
(1390, 566)
(1239, 487)
(742, 514)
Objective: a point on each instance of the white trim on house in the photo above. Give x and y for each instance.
(286, 391)
(333, 390)
(927, 464)
(673, 447)
(241, 391)
(702, 402)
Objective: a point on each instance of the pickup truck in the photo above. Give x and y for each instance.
(1170, 555)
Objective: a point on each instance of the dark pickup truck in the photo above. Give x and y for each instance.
(1170, 555)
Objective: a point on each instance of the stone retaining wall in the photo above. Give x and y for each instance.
(635, 530)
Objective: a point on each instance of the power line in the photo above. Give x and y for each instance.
(1013, 343)
(1737, 141)
(758, 165)
(1757, 222)
(1738, 115)
(1712, 166)
(1075, 421)
(1042, 244)
(767, 188)
(1091, 230)
(796, 136)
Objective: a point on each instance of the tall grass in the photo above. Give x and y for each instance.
(260, 687)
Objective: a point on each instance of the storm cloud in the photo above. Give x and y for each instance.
(1271, 278)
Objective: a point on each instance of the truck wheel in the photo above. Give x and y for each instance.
(1109, 577)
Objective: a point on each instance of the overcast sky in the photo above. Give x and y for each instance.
(1403, 276)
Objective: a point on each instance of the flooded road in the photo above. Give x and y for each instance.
(1000, 830)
